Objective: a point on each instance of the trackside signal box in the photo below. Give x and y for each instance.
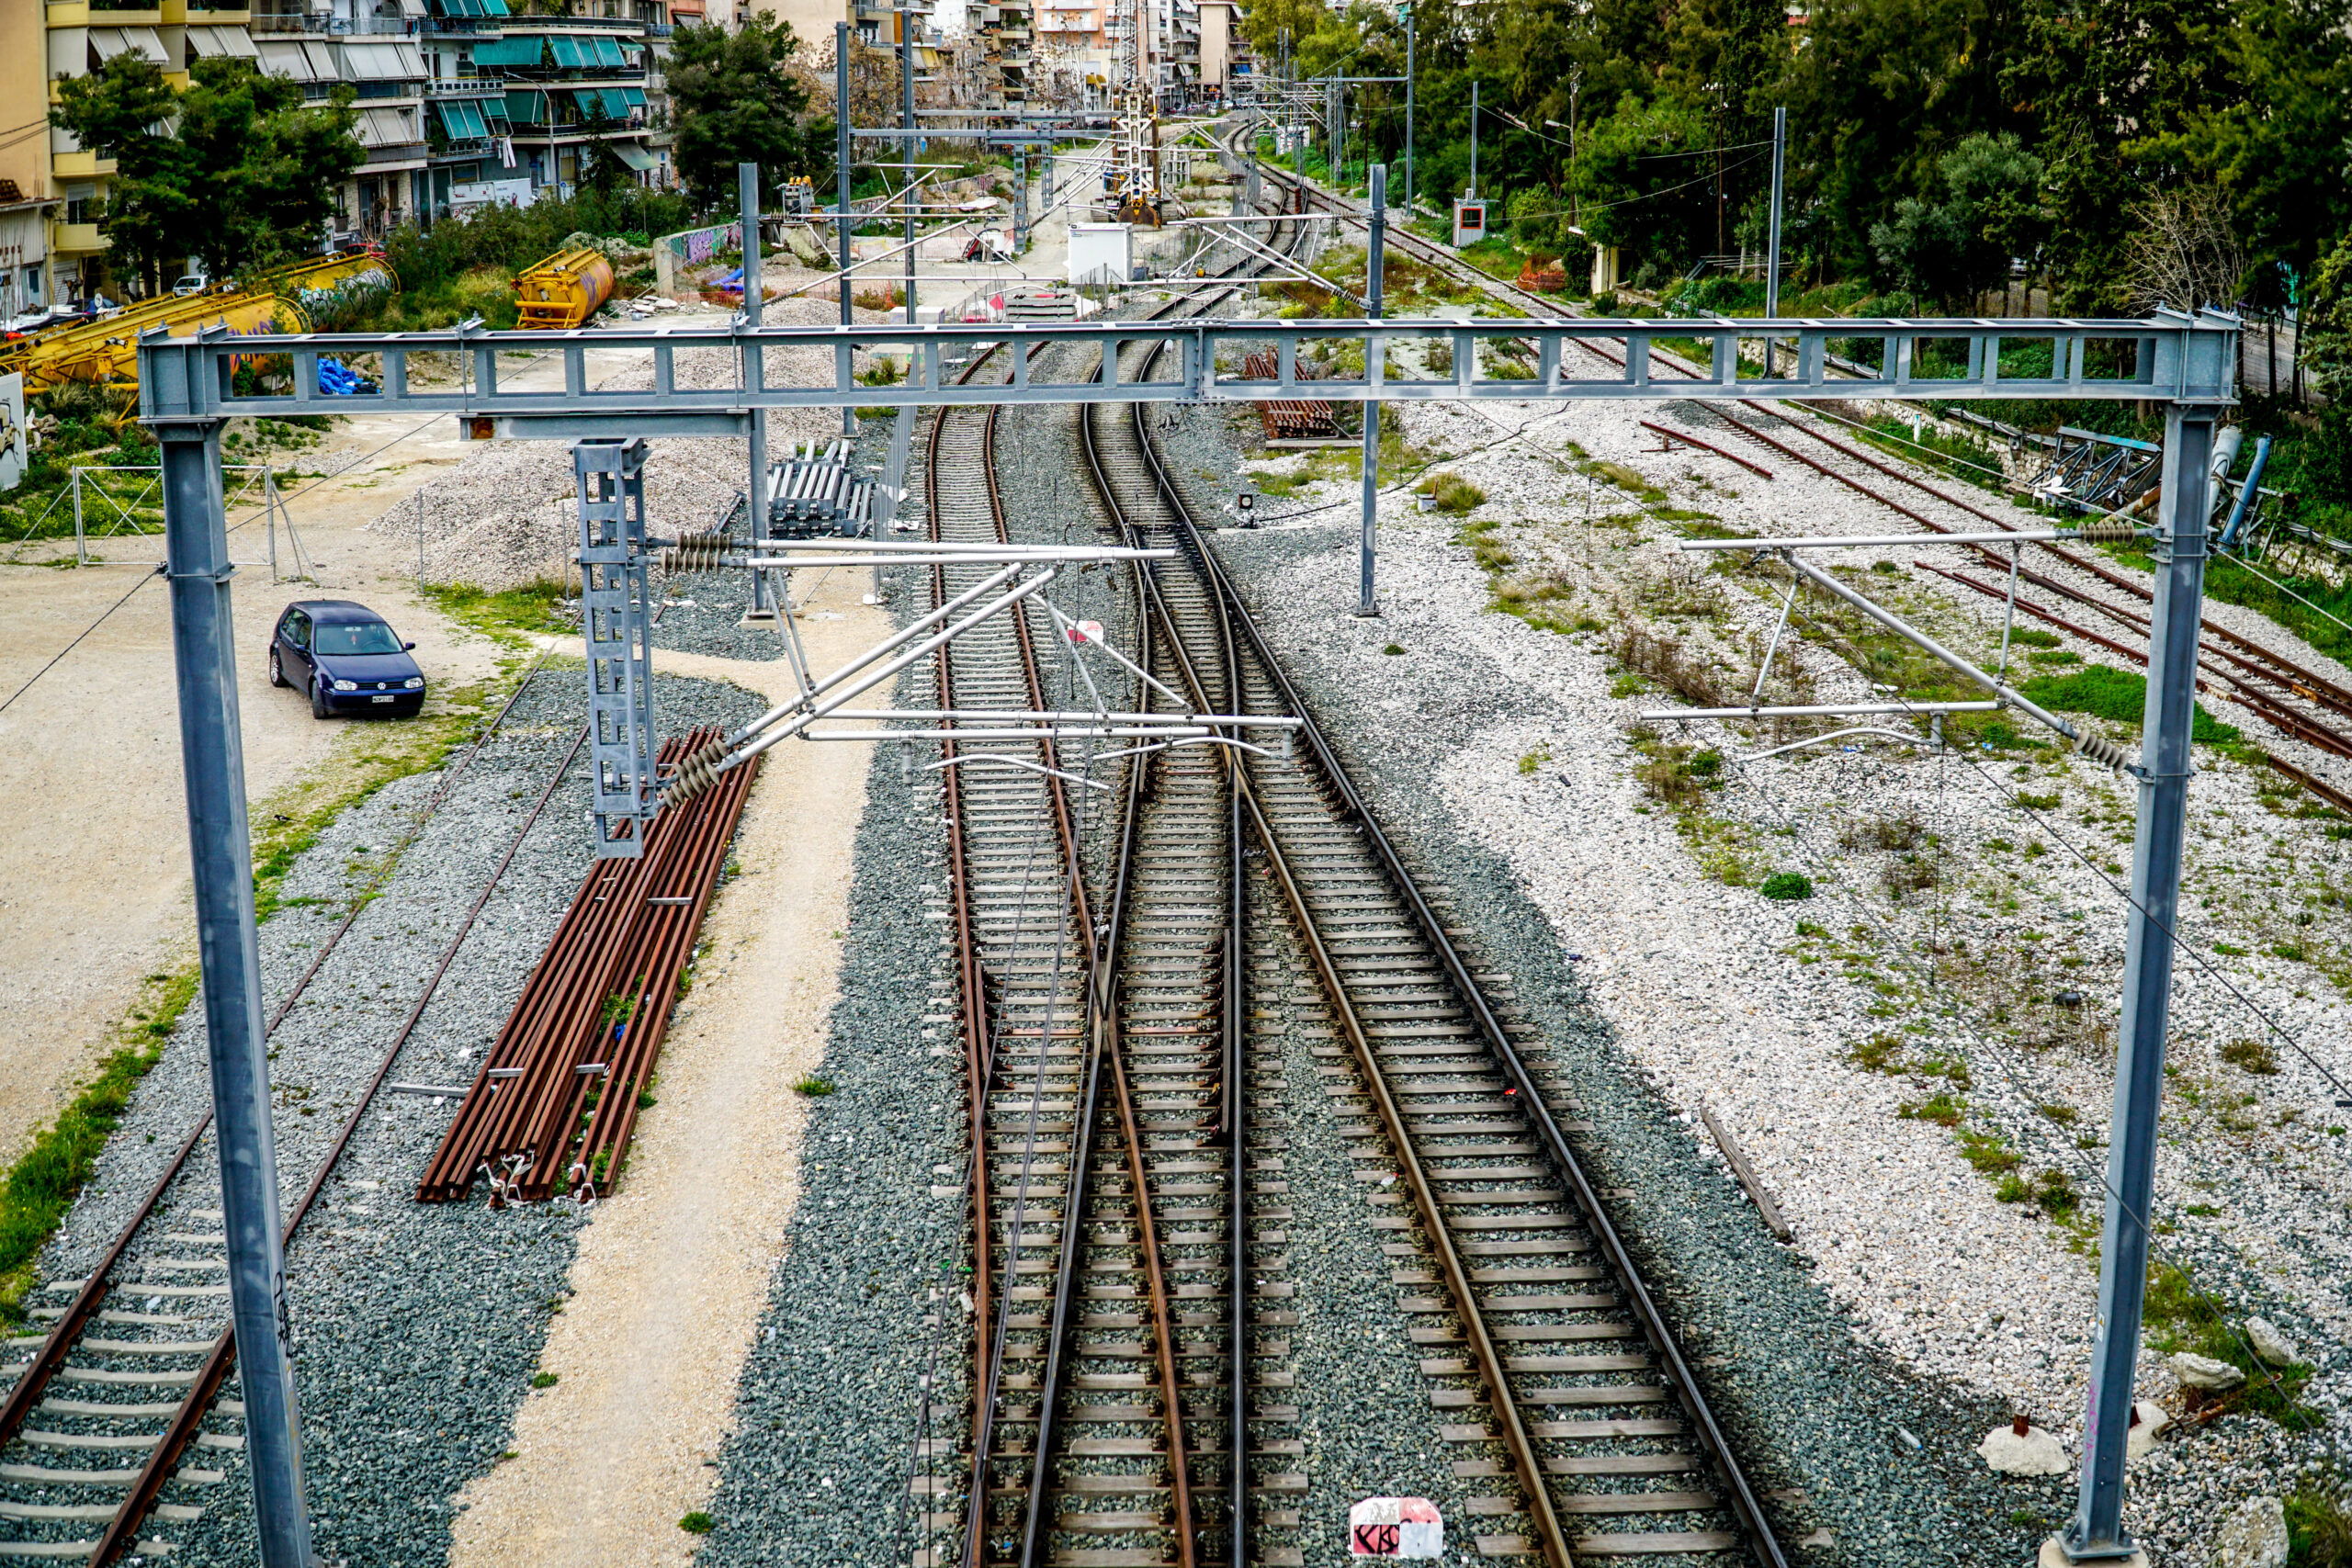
(1469, 222)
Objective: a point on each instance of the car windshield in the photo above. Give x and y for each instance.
(358, 637)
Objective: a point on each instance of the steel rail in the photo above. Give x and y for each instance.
(1675, 1374)
(984, 1416)
(164, 1459)
(1232, 1126)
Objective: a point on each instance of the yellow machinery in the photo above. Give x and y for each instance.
(106, 350)
(564, 290)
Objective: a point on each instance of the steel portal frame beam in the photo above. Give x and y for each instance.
(2175, 358)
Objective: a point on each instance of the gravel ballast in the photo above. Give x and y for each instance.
(416, 1326)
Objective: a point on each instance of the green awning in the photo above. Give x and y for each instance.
(608, 52)
(494, 8)
(633, 96)
(636, 157)
(507, 51)
(567, 52)
(616, 105)
(462, 121)
(527, 108)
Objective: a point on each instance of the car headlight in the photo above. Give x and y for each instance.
(415, 682)
(346, 685)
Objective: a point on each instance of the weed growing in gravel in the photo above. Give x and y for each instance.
(2319, 1528)
(544, 1380)
(1941, 1109)
(2181, 1317)
(813, 1087)
(41, 1185)
(1787, 884)
(505, 616)
(697, 1523)
(1454, 495)
(2252, 1055)
(1534, 760)
(1879, 1054)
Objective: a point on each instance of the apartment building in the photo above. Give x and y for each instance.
(61, 185)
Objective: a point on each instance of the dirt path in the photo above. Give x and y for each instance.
(673, 1270)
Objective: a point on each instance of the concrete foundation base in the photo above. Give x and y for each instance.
(2054, 1556)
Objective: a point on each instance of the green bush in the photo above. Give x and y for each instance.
(1787, 884)
(697, 1523)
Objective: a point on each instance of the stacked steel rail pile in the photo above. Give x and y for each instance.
(1288, 419)
(555, 1102)
(1516, 1278)
(136, 1349)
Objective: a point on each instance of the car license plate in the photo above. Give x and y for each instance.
(379, 699)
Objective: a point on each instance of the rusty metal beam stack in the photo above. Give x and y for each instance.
(1308, 419)
(556, 1102)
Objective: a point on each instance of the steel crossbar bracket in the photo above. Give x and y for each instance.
(2169, 357)
(618, 621)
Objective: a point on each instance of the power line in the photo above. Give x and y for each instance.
(144, 580)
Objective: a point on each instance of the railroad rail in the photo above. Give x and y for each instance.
(580, 1043)
(1500, 1216)
(168, 1355)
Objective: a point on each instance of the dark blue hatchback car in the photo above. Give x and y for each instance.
(348, 657)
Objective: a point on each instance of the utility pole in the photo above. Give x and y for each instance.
(2096, 1532)
(195, 543)
(840, 183)
(907, 195)
(747, 198)
(1377, 203)
(1473, 139)
(1772, 242)
(1406, 11)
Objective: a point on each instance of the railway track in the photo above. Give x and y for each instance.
(1556, 1377)
(143, 1339)
(1104, 1036)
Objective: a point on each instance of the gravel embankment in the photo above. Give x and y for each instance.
(1720, 998)
(416, 1326)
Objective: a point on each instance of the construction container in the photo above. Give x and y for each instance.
(564, 290)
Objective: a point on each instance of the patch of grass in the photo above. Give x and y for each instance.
(1787, 884)
(544, 1380)
(697, 1523)
(1454, 495)
(2025, 802)
(1944, 1110)
(2177, 1318)
(1989, 1154)
(2319, 1528)
(2120, 696)
(2250, 1056)
(508, 615)
(41, 1185)
(2229, 950)
(1393, 647)
(1534, 760)
(1879, 1054)
(813, 1086)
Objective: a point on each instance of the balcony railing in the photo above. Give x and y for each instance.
(465, 87)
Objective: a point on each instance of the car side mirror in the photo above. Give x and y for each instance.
(408, 648)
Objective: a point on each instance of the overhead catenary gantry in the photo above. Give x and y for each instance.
(188, 393)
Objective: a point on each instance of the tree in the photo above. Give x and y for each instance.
(238, 172)
(736, 100)
(1955, 248)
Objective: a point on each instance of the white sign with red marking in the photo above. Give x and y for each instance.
(1085, 631)
(1395, 1527)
